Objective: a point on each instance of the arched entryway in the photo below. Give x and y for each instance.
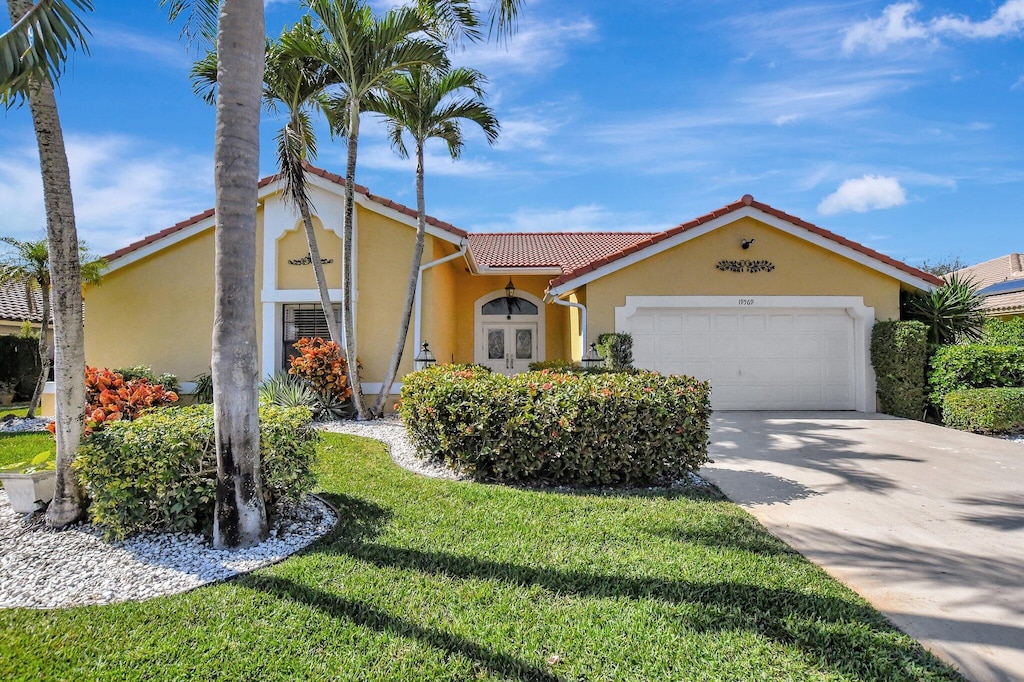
(509, 332)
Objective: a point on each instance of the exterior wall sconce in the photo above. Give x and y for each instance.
(510, 297)
(745, 243)
(592, 359)
(425, 358)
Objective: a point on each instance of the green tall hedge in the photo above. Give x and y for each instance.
(974, 365)
(159, 472)
(617, 350)
(1008, 332)
(19, 361)
(985, 410)
(589, 429)
(899, 354)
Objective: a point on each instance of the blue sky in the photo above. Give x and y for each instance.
(899, 125)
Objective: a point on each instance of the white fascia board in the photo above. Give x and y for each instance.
(756, 214)
(160, 244)
(495, 270)
(297, 295)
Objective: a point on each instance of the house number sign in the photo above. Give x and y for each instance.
(745, 265)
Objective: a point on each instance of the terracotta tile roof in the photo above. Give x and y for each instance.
(566, 250)
(747, 200)
(1008, 267)
(14, 305)
(332, 177)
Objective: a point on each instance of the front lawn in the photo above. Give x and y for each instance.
(435, 580)
(18, 449)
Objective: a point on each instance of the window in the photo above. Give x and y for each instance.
(303, 321)
(508, 306)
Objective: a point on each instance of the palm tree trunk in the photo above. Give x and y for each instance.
(410, 291)
(65, 279)
(240, 517)
(318, 274)
(45, 351)
(348, 260)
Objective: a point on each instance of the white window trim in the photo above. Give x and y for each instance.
(863, 321)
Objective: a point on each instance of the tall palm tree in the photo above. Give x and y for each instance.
(294, 83)
(28, 263)
(425, 103)
(362, 54)
(32, 55)
(240, 517)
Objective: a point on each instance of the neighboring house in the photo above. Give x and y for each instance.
(781, 323)
(1001, 282)
(15, 309)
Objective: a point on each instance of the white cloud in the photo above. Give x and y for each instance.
(868, 193)
(786, 119)
(123, 190)
(538, 44)
(436, 161)
(1019, 84)
(898, 25)
(582, 218)
(169, 52)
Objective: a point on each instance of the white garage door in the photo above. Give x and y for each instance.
(756, 359)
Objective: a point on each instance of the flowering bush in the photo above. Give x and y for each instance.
(321, 364)
(110, 398)
(589, 429)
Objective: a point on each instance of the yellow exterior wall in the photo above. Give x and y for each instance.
(11, 328)
(293, 246)
(439, 300)
(470, 288)
(801, 269)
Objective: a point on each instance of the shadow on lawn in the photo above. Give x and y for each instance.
(841, 635)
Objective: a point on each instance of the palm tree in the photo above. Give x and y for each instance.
(362, 54)
(294, 83)
(426, 103)
(240, 517)
(28, 263)
(32, 55)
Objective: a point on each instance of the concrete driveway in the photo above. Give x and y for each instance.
(926, 523)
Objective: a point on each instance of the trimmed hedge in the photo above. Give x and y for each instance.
(1008, 332)
(19, 362)
(899, 354)
(955, 368)
(159, 472)
(617, 350)
(985, 410)
(549, 427)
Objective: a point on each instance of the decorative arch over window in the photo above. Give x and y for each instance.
(503, 305)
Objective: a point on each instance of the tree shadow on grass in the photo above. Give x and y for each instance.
(840, 634)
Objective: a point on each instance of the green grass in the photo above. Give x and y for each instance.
(16, 410)
(435, 580)
(17, 449)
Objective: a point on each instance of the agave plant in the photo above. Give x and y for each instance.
(288, 391)
(953, 312)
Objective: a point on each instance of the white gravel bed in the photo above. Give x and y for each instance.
(391, 431)
(45, 569)
(22, 424)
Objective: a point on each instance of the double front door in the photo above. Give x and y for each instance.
(508, 347)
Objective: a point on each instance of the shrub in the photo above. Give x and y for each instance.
(556, 365)
(286, 390)
(589, 429)
(109, 398)
(321, 364)
(204, 388)
(984, 410)
(899, 354)
(19, 362)
(1008, 332)
(955, 368)
(617, 350)
(159, 472)
(167, 380)
(953, 312)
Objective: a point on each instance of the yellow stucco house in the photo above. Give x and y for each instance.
(775, 311)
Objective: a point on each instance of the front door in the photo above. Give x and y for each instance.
(508, 347)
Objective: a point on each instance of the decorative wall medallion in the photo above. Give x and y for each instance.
(745, 265)
(307, 259)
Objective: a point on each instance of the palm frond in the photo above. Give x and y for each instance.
(203, 75)
(199, 19)
(37, 46)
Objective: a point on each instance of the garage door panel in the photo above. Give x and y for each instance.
(755, 359)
